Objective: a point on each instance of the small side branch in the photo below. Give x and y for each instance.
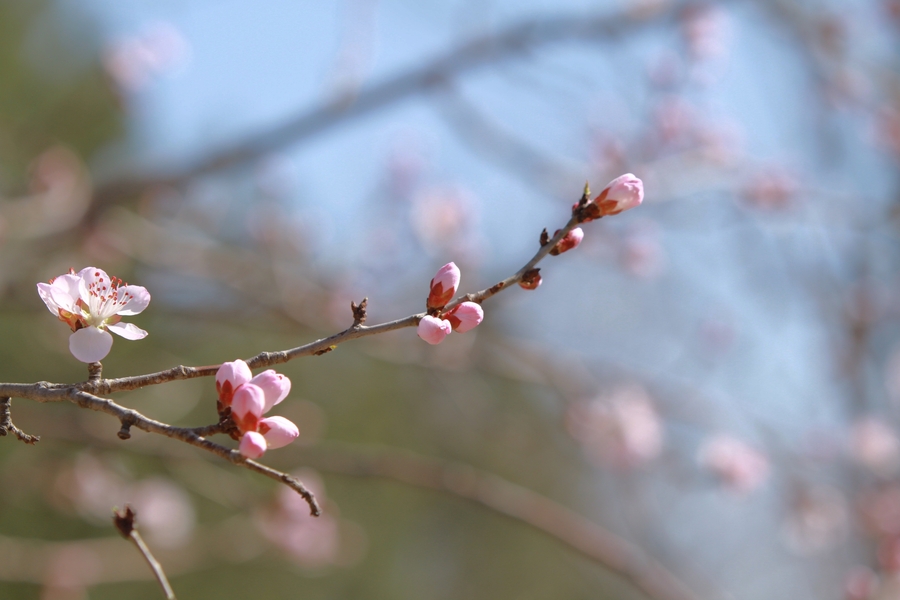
(125, 522)
(7, 426)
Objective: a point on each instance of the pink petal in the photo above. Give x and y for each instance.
(90, 344)
(236, 371)
(275, 386)
(129, 331)
(253, 445)
(278, 431)
(443, 286)
(138, 301)
(433, 330)
(248, 399)
(62, 293)
(465, 316)
(624, 192)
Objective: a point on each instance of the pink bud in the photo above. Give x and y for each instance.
(443, 286)
(624, 192)
(253, 445)
(274, 385)
(247, 406)
(569, 241)
(465, 316)
(229, 376)
(433, 330)
(531, 280)
(278, 431)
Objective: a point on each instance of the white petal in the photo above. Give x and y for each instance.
(90, 344)
(129, 331)
(45, 292)
(139, 301)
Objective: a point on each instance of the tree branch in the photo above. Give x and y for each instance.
(125, 522)
(512, 501)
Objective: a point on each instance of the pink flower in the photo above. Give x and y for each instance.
(443, 286)
(274, 385)
(278, 431)
(465, 316)
(253, 445)
(92, 303)
(433, 330)
(247, 406)
(741, 468)
(229, 377)
(624, 192)
(569, 241)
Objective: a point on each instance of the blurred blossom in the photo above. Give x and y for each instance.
(707, 31)
(406, 163)
(620, 430)
(70, 569)
(875, 445)
(165, 513)
(133, 61)
(720, 142)
(641, 253)
(879, 510)
(770, 189)
(312, 542)
(860, 583)
(443, 220)
(674, 119)
(817, 520)
(887, 130)
(739, 467)
(92, 487)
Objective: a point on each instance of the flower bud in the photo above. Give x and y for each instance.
(253, 445)
(531, 279)
(247, 407)
(274, 385)
(569, 241)
(229, 377)
(433, 330)
(278, 431)
(624, 192)
(443, 286)
(465, 316)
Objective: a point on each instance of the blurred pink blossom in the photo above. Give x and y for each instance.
(621, 429)
(133, 61)
(641, 253)
(874, 444)
(817, 521)
(771, 189)
(860, 583)
(741, 468)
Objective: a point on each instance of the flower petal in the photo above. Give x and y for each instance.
(253, 445)
(278, 431)
(129, 331)
(139, 299)
(90, 344)
(275, 385)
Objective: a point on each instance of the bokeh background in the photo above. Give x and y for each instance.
(713, 379)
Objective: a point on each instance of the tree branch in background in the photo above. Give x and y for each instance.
(510, 500)
(126, 523)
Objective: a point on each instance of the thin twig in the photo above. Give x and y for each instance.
(510, 500)
(126, 523)
(7, 426)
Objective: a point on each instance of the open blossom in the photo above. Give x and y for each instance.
(465, 316)
(92, 304)
(433, 330)
(443, 286)
(624, 192)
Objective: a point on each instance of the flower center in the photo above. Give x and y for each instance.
(105, 299)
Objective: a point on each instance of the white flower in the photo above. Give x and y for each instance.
(92, 304)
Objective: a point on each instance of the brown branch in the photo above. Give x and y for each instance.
(512, 501)
(125, 522)
(7, 426)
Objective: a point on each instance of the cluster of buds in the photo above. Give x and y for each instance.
(249, 398)
(438, 324)
(92, 304)
(624, 192)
